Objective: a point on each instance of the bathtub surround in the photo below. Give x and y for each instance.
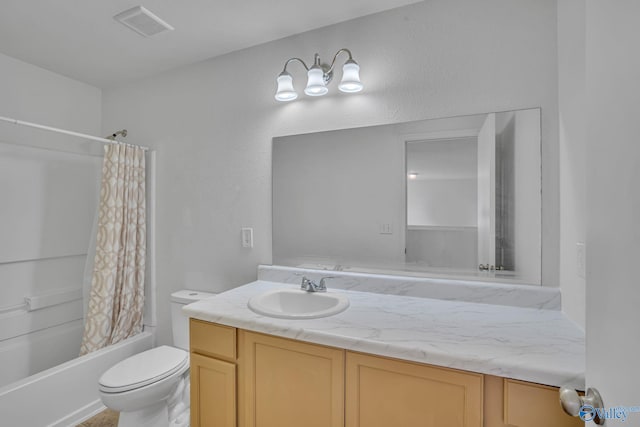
(116, 300)
(41, 364)
(54, 181)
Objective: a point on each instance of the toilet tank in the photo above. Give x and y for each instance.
(180, 322)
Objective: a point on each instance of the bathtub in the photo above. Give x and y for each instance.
(67, 394)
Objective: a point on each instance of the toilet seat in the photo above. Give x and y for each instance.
(144, 368)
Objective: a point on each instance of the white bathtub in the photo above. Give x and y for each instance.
(68, 393)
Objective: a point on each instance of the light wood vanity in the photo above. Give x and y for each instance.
(247, 379)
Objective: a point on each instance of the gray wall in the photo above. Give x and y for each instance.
(212, 122)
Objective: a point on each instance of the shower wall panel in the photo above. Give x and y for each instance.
(48, 201)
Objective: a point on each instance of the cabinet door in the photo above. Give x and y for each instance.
(213, 392)
(288, 383)
(512, 403)
(383, 392)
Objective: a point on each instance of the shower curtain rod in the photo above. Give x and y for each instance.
(67, 132)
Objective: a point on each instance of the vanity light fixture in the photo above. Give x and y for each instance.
(318, 76)
(412, 175)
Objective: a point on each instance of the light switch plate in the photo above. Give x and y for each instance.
(386, 229)
(247, 237)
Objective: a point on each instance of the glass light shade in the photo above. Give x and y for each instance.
(285, 91)
(315, 82)
(350, 77)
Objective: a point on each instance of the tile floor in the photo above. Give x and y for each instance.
(106, 418)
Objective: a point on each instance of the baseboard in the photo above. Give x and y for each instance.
(80, 415)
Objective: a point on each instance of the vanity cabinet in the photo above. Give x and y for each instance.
(246, 379)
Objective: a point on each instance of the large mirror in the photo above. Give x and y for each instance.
(454, 197)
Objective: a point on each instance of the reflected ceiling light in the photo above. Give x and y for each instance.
(318, 76)
(412, 175)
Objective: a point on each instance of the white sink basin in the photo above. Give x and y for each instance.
(298, 304)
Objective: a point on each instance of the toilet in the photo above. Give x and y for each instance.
(151, 389)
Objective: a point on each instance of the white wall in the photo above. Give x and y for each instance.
(213, 122)
(445, 192)
(48, 199)
(36, 95)
(613, 202)
(573, 193)
(442, 202)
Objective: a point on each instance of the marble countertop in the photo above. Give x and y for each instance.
(529, 344)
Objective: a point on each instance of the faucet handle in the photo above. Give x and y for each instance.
(322, 284)
(306, 283)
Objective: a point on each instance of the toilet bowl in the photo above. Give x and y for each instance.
(151, 389)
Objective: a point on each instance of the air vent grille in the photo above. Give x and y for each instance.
(142, 21)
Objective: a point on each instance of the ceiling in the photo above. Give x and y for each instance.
(81, 40)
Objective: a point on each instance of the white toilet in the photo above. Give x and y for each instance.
(151, 389)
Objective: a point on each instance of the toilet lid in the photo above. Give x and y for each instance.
(143, 369)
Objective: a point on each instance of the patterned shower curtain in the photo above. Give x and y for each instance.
(116, 298)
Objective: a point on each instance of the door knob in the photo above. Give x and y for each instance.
(582, 406)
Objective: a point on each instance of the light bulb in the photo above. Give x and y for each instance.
(315, 82)
(285, 91)
(350, 82)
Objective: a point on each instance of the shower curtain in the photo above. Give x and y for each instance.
(116, 297)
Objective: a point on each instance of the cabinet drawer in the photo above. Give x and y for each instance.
(212, 339)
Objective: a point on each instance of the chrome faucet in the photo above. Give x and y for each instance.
(311, 286)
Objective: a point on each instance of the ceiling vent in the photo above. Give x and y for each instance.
(142, 21)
